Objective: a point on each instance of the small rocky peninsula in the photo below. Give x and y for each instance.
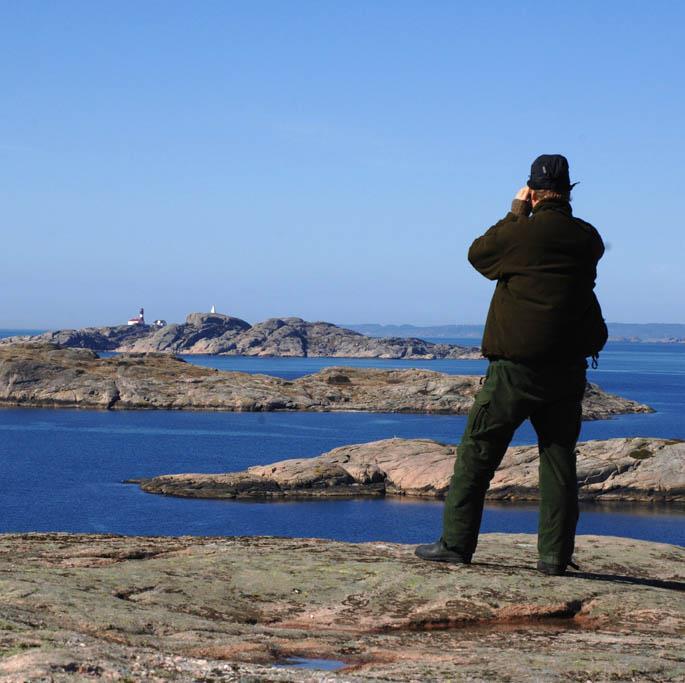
(215, 333)
(626, 469)
(85, 607)
(45, 375)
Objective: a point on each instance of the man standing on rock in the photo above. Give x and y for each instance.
(544, 321)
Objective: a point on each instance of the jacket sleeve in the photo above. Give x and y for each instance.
(596, 242)
(487, 252)
(597, 245)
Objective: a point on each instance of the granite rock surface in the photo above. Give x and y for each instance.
(79, 607)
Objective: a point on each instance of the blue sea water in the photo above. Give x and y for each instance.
(62, 470)
(18, 332)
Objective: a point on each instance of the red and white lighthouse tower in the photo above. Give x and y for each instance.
(138, 319)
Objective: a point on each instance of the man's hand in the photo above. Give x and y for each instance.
(522, 204)
(523, 194)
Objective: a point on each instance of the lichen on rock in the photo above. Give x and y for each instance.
(76, 607)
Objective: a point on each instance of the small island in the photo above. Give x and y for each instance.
(46, 375)
(623, 469)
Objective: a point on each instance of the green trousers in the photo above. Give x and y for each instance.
(550, 396)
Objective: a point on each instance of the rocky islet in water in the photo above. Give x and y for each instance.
(628, 469)
(45, 375)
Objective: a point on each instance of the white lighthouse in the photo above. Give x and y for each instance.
(212, 309)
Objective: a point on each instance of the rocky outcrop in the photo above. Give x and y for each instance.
(46, 375)
(631, 469)
(77, 607)
(214, 333)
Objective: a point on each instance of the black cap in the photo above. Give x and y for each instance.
(550, 172)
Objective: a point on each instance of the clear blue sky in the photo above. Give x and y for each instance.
(326, 159)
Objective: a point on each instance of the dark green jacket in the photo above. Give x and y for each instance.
(544, 308)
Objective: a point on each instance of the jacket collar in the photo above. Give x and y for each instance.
(553, 205)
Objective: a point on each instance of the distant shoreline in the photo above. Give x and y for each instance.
(632, 333)
(635, 333)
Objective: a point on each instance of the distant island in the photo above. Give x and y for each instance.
(215, 333)
(218, 334)
(474, 332)
(663, 333)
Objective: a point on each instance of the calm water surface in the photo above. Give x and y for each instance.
(62, 469)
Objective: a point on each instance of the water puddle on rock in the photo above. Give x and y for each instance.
(310, 663)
